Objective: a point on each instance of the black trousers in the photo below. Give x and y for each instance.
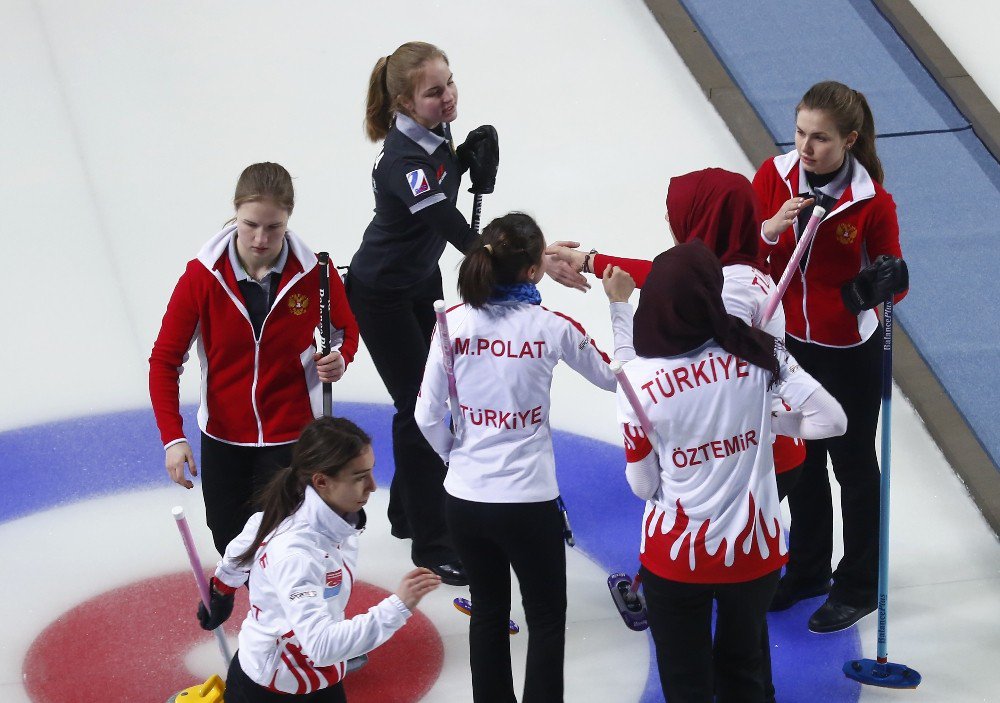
(240, 688)
(231, 476)
(490, 539)
(396, 327)
(787, 481)
(694, 666)
(854, 377)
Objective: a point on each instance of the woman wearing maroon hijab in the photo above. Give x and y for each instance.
(711, 531)
(719, 208)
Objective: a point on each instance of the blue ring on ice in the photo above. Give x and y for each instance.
(52, 464)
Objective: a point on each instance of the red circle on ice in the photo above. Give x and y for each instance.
(130, 643)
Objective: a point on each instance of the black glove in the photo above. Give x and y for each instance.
(480, 154)
(875, 283)
(222, 597)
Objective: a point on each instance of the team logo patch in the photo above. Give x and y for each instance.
(441, 173)
(298, 303)
(417, 182)
(846, 233)
(333, 581)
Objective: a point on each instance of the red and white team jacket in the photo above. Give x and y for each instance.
(504, 358)
(745, 294)
(252, 392)
(860, 228)
(713, 515)
(295, 638)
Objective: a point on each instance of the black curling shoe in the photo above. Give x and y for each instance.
(790, 591)
(452, 573)
(834, 617)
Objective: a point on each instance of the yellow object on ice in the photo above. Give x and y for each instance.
(209, 692)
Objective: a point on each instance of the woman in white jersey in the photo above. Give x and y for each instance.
(299, 556)
(712, 525)
(732, 232)
(501, 485)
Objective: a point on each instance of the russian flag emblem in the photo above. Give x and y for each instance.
(417, 182)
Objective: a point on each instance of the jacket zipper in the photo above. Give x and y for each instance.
(256, 372)
(253, 387)
(256, 363)
(256, 345)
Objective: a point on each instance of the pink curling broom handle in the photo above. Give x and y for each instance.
(633, 400)
(448, 356)
(644, 422)
(199, 577)
(805, 240)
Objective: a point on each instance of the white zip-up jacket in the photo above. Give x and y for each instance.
(504, 357)
(295, 638)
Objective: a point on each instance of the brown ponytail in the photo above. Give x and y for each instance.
(325, 446)
(849, 110)
(378, 115)
(864, 146)
(508, 247)
(393, 80)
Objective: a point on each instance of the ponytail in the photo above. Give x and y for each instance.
(392, 81)
(378, 115)
(508, 247)
(325, 446)
(864, 145)
(279, 498)
(850, 111)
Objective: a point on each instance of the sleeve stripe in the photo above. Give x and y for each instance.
(436, 198)
(579, 327)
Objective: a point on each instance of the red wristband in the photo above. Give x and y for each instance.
(223, 589)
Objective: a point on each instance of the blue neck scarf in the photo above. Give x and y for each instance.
(516, 293)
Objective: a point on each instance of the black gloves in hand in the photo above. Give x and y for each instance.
(875, 283)
(221, 605)
(480, 154)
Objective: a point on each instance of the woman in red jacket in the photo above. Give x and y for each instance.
(250, 303)
(832, 330)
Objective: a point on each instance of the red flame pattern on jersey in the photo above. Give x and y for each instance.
(637, 445)
(683, 552)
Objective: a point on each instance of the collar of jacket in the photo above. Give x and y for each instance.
(325, 520)
(861, 187)
(215, 247)
(426, 139)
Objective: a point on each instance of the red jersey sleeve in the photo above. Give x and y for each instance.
(882, 235)
(638, 269)
(765, 187)
(167, 359)
(341, 317)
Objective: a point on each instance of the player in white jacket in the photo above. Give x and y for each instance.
(712, 526)
(501, 502)
(299, 556)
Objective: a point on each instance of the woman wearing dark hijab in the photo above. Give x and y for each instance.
(719, 208)
(712, 525)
